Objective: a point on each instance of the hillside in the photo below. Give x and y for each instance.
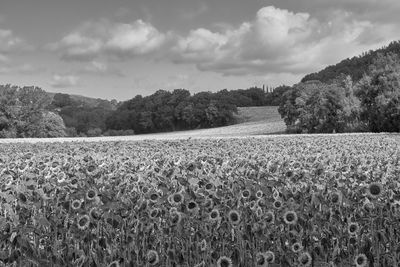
(355, 67)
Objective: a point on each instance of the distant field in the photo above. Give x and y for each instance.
(253, 121)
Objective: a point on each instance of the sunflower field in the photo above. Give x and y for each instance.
(279, 201)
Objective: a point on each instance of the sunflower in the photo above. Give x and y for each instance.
(152, 257)
(277, 204)
(209, 187)
(95, 213)
(276, 194)
(176, 218)
(192, 206)
(305, 259)
(375, 190)
(177, 199)
(261, 261)
(83, 222)
(234, 217)
(361, 260)
(269, 256)
(353, 228)
(336, 197)
(154, 213)
(297, 247)
(269, 217)
(76, 204)
(224, 262)
(246, 194)
(91, 194)
(290, 217)
(154, 197)
(214, 215)
(259, 194)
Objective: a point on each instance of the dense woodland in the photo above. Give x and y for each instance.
(358, 94)
(160, 112)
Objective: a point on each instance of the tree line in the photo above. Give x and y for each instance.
(344, 104)
(32, 112)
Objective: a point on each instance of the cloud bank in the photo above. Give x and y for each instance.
(275, 41)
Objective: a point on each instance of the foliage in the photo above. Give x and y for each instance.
(169, 111)
(315, 107)
(23, 113)
(379, 92)
(304, 201)
(355, 67)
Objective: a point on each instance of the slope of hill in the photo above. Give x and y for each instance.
(355, 67)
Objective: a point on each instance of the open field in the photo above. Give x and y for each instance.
(312, 200)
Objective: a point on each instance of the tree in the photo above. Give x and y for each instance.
(379, 93)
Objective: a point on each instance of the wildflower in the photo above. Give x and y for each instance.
(353, 228)
(375, 190)
(224, 262)
(269, 217)
(76, 204)
(91, 194)
(234, 217)
(83, 222)
(209, 187)
(270, 256)
(22, 197)
(297, 247)
(361, 260)
(214, 215)
(290, 217)
(152, 257)
(305, 259)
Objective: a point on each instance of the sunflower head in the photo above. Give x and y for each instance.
(297, 247)
(336, 197)
(152, 257)
(214, 215)
(91, 194)
(76, 204)
(277, 204)
(177, 199)
(83, 222)
(290, 217)
(361, 260)
(353, 228)
(375, 190)
(269, 217)
(269, 256)
(246, 194)
(175, 218)
(259, 194)
(224, 262)
(234, 217)
(305, 259)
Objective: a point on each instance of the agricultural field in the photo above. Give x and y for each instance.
(312, 200)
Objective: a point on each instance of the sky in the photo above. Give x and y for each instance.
(120, 48)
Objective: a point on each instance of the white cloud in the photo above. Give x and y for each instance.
(280, 41)
(63, 81)
(10, 43)
(114, 40)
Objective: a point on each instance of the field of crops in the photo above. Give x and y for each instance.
(329, 200)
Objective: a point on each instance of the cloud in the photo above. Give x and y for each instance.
(280, 41)
(104, 39)
(25, 69)
(63, 81)
(10, 43)
(101, 68)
